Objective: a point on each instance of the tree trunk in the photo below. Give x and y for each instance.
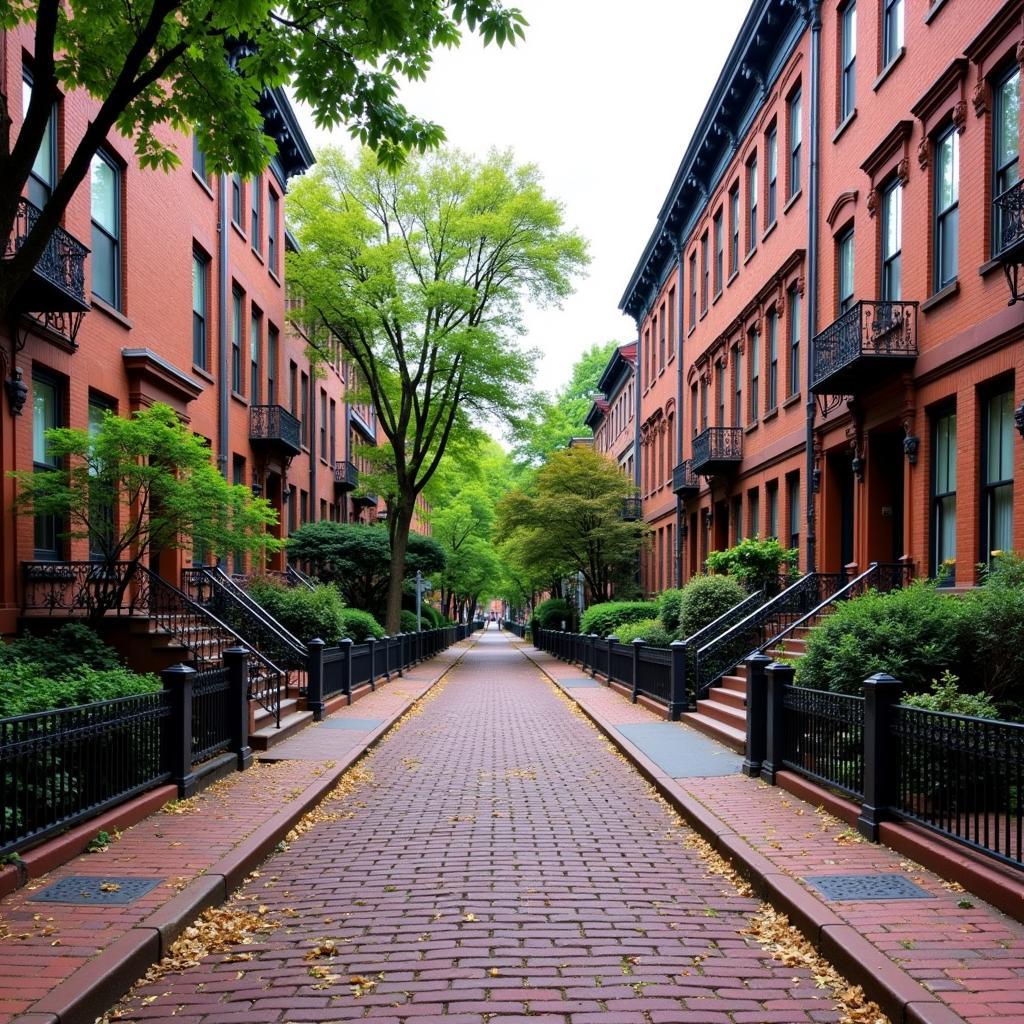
(402, 523)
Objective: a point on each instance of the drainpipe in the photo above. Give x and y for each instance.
(224, 377)
(638, 383)
(314, 455)
(680, 513)
(813, 188)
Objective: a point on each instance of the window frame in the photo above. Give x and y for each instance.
(53, 524)
(255, 345)
(752, 203)
(200, 318)
(999, 169)
(795, 128)
(892, 188)
(893, 31)
(273, 346)
(845, 301)
(754, 371)
(718, 229)
(237, 328)
(737, 383)
(1001, 391)
(705, 273)
(793, 304)
(847, 60)
(937, 497)
(693, 289)
(772, 398)
(49, 139)
(945, 220)
(256, 215)
(734, 230)
(237, 204)
(771, 159)
(115, 301)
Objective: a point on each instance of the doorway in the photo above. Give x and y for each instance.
(884, 481)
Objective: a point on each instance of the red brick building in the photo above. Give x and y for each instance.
(180, 300)
(826, 270)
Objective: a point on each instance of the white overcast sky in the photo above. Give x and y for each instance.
(602, 96)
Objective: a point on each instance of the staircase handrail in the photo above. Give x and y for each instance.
(298, 577)
(728, 617)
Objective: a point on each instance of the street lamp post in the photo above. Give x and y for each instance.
(421, 585)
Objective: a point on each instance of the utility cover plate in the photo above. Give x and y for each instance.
(579, 681)
(867, 887)
(86, 890)
(365, 724)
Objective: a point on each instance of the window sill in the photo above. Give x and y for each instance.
(792, 400)
(273, 276)
(115, 314)
(791, 201)
(717, 296)
(941, 295)
(751, 427)
(936, 6)
(238, 397)
(703, 313)
(844, 124)
(751, 253)
(203, 184)
(257, 254)
(986, 268)
(771, 414)
(887, 70)
(691, 329)
(204, 373)
(732, 277)
(768, 230)
(238, 231)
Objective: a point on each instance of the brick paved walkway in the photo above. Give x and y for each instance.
(499, 862)
(959, 947)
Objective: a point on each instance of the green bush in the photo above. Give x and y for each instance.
(305, 613)
(24, 689)
(913, 634)
(704, 599)
(359, 625)
(606, 618)
(992, 641)
(756, 563)
(651, 631)
(1006, 570)
(430, 616)
(946, 695)
(407, 621)
(61, 651)
(670, 609)
(550, 614)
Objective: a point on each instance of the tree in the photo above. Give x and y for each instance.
(178, 63)
(572, 521)
(142, 484)
(357, 560)
(420, 276)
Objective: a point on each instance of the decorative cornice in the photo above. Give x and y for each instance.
(888, 149)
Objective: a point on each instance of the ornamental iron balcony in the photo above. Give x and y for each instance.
(632, 509)
(684, 480)
(853, 351)
(275, 427)
(717, 450)
(346, 476)
(1008, 231)
(364, 500)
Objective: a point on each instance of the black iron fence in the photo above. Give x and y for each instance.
(958, 776)
(516, 628)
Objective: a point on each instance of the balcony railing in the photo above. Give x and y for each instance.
(346, 476)
(684, 480)
(717, 450)
(366, 500)
(632, 509)
(1008, 210)
(57, 284)
(275, 425)
(870, 336)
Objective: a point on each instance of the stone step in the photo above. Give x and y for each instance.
(732, 737)
(734, 683)
(732, 698)
(269, 736)
(264, 717)
(713, 708)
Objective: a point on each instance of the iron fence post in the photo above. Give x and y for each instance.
(677, 703)
(757, 714)
(637, 644)
(593, 654)
(236, 660)
(177, 682)
(371, 643)
(345, 643)
(386, 642)
(881, 694)
(315, 678)
(610, 641)
(779, 676)
(401, 655)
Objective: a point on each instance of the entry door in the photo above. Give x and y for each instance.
(845, 477)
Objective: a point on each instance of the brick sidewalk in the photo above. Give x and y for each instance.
(500, 861)
(970, 955)
(43, 944)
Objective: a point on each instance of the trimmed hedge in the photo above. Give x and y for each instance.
(670, 609)
(550, 614)
(358, 625)
(307, 614)
(606, 618)
(704, 598)
(651, 631)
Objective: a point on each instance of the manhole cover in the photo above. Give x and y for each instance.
(867, 887)
(96, 889)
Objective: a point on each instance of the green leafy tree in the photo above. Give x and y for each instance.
(420, 277)
(156, 64)
(141, 484)
(572, 521)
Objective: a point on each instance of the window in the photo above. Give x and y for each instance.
(272, 216)
(1005, 144)
(255, 330)
(719, 251)
(693, 290)
(703, 403)
(944, 494)
(892, 31)
(304, 409)
(734, 230)
(754, 513)
(752, 204)
(236, 200)
(773, 360)
(793, 501)
(794, 341)
(323, 424)
(704, 273)
(43, 174)
(648, 361)
(720, 394)
(998, 475)
(693, 410)
(662, 324)
(671, 323)
(293, 389)
(292, 522)
(737, 386)
(200, 309)
(772, 495)
(257, 209)
(892, 241)
(271, 365)
(848, 61)
(237, 302)
(737, 519)
(47, 413)
(947, 206)
(796, 136)
(755, 374)
(844, 268)
(106, 229)
(198, 159)
(333, 429)
(771, 158)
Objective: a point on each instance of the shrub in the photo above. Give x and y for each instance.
(670, 609)
(606, 618)
(550, 614)
(756, 563)
(913, 634)
(24, 689)
(407, 622)
(303, 612)
(704, 599)
(1006, 570)
(651, 631)
(992, 640)
(65, 650)
(945, 695)
(430, 616)
(359, 625)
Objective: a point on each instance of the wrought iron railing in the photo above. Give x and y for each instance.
(823, 737)
(62, 263)
(655, 676)
(869, 328)
(684, 480)
(346, 476)
(297, 578)
(632, 509)
(1008, 208)
(275, 423)
(716, 446)
(211, 713)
